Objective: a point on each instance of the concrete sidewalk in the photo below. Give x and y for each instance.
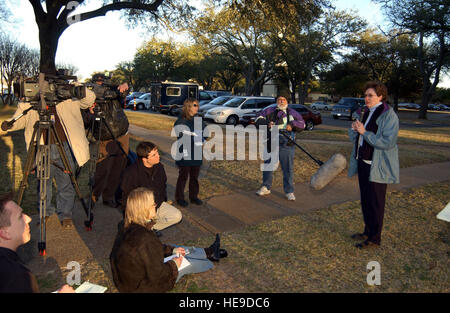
(218, 214)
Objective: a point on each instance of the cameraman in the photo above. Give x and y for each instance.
(68, 124)
(113, 148)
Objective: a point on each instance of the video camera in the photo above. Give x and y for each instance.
(56, 88)
(105, 90)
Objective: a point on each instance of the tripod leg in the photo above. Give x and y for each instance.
(28, 164)
(43, 175)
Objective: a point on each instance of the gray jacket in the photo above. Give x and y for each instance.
(385, 165)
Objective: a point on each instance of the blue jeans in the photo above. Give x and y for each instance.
(65, 196)
(286, 157)
(199, 262)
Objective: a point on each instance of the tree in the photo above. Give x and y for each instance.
(155, 61)
(389, 59)
(307, 35)
(16, 60)
(124, 72)
(232, 34)
(53, 21)
(429, 20)
(346, 78)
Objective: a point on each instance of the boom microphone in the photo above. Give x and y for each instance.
(327, 171)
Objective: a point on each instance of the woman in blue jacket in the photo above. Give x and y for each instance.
(375, 159)
(190, 156)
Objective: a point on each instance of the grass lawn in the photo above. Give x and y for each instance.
(313, 252)
(150, 121)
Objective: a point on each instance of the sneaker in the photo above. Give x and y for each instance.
(290, 196)
(263, 191)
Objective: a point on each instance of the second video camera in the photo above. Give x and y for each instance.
(56, 88)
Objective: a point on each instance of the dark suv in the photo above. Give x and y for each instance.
(346, 107)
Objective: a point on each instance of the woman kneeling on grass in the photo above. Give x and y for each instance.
(137, 257)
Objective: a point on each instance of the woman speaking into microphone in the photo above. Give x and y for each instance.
(375, 159)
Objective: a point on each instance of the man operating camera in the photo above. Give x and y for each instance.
(68, 124)
(114, 138)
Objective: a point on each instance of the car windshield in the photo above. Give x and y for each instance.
(234, 103)
(219, 100)
(143, 96)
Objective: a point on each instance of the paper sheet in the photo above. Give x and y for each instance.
(445, 213)
(184, 261)
(88, 287)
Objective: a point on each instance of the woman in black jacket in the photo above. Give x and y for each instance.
(190, 157)
(137, 257)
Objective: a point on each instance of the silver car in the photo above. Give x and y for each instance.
(321, 105)
(213, 104)
(232, 110)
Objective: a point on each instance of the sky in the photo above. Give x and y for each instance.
(101, 43)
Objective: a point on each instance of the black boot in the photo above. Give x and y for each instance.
(213, 251)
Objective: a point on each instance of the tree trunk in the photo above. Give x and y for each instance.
(396, 92)
(48, 38)
(292, 90)
(426, 96)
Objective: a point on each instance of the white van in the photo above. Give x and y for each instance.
(232, 110)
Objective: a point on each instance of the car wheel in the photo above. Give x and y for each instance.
(309, 125)
(140, 106)
(335, 117)
(232, 120)
(313, 107)
(325, 109)
(171, 111)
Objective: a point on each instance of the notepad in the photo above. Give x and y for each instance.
(184, 261)
(88, 287)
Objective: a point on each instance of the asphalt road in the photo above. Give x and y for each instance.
(408, 118)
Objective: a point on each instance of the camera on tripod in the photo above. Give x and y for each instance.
(56, 89)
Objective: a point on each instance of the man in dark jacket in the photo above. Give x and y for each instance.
(15, 277)
(149, 172)
(112, 154)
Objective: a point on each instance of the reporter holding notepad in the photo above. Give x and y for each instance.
(137, 257)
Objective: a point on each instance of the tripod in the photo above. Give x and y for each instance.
(40, 153)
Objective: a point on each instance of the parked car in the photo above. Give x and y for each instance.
(443, 107)
(311, 118)
(321, 105)
(214, 103)
(346, 107)
(404, 105)
(232, 110)
(206, 96)
(132, 96)
(414, 106)
(141, 103)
